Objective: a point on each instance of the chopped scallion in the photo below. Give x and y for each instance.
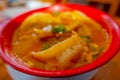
(56, 13)
(45, 46)
(58, 29)
(101, 49)
(86, 38)
(95, 56)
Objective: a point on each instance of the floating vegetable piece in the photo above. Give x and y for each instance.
(71, 20)
(45, 46)
(41, 19)
(58, 29)
(86, 38)
(63, 51)
(56, 13)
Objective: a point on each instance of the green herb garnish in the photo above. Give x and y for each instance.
(101, 50)
(56, 13)
(58, 29)
(86, 38)
(45, 46)
(92, 48)
(95, 56)
(54, 43)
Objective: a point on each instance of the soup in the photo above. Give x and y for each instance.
(59, 40)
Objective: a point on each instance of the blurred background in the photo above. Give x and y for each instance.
(11, 8)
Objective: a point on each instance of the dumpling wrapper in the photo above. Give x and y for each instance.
(62, 53)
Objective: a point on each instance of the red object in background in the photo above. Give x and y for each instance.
(58, 1)
(61, 1)
(102, 18)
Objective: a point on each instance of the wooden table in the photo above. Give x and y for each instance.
(113, 5)
(3, 72)
(110, 71)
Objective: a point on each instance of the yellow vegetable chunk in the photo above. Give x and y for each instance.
(36, 20)
(74, 19)
(69, 20)
(62, 52)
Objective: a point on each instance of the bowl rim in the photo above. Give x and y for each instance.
(108, 55)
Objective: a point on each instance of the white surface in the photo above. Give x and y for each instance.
(36, 4)
(12, 12)
(30, 5)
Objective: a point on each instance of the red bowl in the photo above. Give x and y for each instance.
(6, 33)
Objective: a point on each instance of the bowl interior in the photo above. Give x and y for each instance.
(6, 33)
